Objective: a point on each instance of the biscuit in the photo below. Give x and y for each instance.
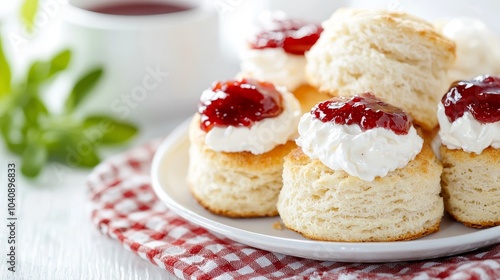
(471, 186)
(240, 184)
(324, 204)
(398, 57)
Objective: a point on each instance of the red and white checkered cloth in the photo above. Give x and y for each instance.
(125, 208)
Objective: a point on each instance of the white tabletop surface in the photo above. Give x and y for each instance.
(55, 237)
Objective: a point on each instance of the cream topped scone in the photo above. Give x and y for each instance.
(469, 120)
(477, 48)
(400, 57)
(276, 54)
(239, 138)
(361, 173)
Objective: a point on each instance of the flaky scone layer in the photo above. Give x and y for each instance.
(329, 205)
(471, 186)
(235, 184)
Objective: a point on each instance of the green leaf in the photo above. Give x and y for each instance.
(38, 72)
(80, 152)
(34, 158)
(90, 159)
(82, 88)
(5, 74)
(59, 62)
(107, 130)
(57, 142)
(41, 71)
(14, 137)
(28, 13)
(33, 110)
(71, 148)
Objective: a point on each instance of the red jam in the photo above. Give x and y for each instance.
(239, 103)
(139, 8)
(293, 36)
(480, 97)
(365, 110)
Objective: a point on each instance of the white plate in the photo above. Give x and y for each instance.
(169, 182)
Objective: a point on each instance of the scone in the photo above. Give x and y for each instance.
(400, 58)
(276, 54)
(239, 138)
(361, 173)
(469, 119)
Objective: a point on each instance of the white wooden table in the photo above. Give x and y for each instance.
(55, 238)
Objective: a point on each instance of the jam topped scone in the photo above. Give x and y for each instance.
(276, 54)
(361, 173)
(469, 119)
(469, 115)
(239, 137)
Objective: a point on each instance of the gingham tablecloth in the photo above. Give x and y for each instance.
(125, 208)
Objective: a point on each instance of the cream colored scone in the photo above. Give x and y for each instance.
(324, 204)
(400, 58)
(280, 67)
(235, 184)
(471, 186)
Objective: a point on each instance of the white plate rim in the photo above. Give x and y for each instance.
(323, 250)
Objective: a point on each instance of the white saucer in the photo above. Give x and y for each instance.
(169, 182)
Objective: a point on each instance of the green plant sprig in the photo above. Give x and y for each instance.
(38, 135)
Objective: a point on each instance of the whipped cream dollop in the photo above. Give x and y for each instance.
(477, 48)
(467, 133)
(364, 154)
(274, 65)
(263, 135)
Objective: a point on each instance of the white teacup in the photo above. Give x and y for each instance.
(156, 66)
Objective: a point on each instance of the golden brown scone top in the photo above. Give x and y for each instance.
(404, 22)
